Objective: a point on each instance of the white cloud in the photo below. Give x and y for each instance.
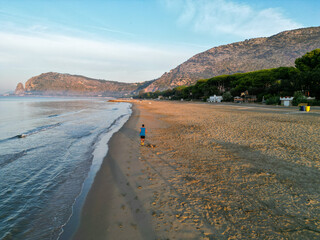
(26, 55)
(111, 30)
(230, 17)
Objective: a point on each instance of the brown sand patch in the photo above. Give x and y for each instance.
(222, 173)
(208, 172)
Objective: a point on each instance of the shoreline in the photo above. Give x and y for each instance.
(99, 152)
(99, 216)
(207, 171)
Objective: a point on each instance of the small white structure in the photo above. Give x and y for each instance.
(286, 101)
(215, 98)
(311, 98)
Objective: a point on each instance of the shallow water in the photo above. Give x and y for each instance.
(47, 147)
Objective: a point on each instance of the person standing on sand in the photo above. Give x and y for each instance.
(143, 132)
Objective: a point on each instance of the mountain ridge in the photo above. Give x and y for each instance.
(53, 83)
(279, 50)
(244, 56)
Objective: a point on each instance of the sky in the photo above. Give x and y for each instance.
(131, 40)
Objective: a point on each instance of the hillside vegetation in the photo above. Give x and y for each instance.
(303, 79)
(279, 50)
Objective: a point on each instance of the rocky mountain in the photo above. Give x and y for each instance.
(66, 84)
(19, 89)
(250, 55)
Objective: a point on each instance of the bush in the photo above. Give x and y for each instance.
(273, 100)
(298, 97)
(313, 102)
(227, 97)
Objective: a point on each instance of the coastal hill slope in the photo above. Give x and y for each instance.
(279, 50)
(66, 84)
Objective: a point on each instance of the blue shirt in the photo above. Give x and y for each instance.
(143, 132)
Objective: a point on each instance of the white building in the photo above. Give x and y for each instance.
(286, 101)
(215, 98)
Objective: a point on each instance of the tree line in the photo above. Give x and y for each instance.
(300, 81)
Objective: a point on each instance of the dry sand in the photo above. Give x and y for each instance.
(209, 172)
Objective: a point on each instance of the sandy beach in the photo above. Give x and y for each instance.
(208, 171)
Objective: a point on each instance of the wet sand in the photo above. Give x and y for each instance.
(208, 172)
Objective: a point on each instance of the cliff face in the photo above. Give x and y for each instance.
(250, 55)
(65, 84)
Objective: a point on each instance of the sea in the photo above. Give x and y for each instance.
(50, 151)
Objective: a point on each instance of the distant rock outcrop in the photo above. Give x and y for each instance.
(250, 55)
(19, 89)
(66, 84)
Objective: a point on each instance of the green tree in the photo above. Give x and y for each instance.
(298, 97)
(309, 61)
(309, 76)
(227, 97)
(273, 100)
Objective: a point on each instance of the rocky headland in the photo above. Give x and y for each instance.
(279, 50)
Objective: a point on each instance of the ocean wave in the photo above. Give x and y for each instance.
(38, 129)
(79, 135)
(53, 115)
(9, 158)
(8, 139)
(66, 113)
(116, 121)
(31, 132)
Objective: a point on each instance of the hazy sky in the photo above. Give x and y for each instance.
(131, 41)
